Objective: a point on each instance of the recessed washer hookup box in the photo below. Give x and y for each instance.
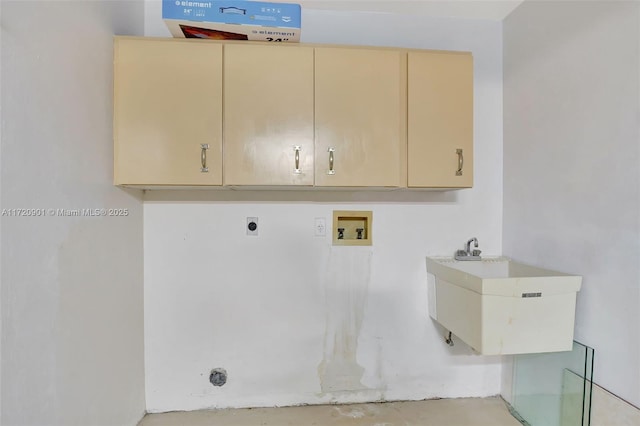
(232, 20)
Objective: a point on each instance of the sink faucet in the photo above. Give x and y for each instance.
(469, 254)
(472, 240)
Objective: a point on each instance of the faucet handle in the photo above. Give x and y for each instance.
(460, 253)
(476, 252)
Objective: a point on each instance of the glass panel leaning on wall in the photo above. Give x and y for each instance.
(553, 389)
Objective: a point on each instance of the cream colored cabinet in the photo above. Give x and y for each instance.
(359, 117)
(167, 112)
(440, 120)
(268, 115)
(292, 115)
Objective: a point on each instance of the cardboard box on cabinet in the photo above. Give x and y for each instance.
(232, 20)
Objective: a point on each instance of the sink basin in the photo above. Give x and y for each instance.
(499, 306)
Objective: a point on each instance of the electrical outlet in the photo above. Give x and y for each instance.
(320, 227)
(252, 226)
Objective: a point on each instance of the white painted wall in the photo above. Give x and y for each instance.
(267, 309)
(72, 291)
(571, 156)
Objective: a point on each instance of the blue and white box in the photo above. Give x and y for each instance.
(233, 20)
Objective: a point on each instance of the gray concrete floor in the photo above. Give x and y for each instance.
(441, 412)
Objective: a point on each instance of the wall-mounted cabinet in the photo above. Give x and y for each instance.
(359, 117)
(268, 115)
(440, 120)
(167, 113)
(191, 113)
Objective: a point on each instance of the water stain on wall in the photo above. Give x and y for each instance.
(346, 286)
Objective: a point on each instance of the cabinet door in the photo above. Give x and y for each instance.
(360, 121)
(268, 115)
(167, 112)
(440, 120)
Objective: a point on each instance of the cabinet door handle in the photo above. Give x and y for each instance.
(296, 169)
(460, 162)
(203, 157)
(331, 171)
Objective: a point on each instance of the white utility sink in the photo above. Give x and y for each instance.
(498, 306)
